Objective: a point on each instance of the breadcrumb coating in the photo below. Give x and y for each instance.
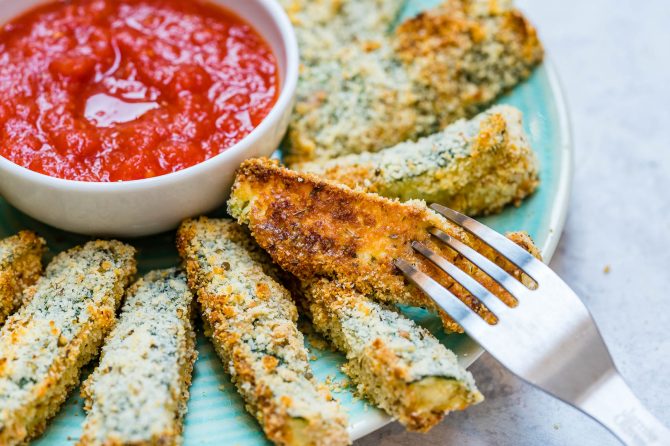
(138, 393)
(323, 26)
(313, 227)
(20, 267)
(364, 87)
(396, 364)
(251, 320)
(465, 53)
(45, 344)
(476, 167)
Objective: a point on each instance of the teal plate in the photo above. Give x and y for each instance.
(216, 413)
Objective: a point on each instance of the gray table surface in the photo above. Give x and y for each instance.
(613, 57)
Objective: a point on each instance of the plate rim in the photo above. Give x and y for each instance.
(559, 212)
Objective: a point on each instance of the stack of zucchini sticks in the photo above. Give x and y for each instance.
(251, 316)
(368, 82)
(381, 104)
(138, 391)
(335, 247)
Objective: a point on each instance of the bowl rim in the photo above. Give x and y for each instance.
(284, 101)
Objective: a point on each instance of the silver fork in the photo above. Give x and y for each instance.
(549, 339)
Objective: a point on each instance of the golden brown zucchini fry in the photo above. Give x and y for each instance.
(476, 167)
(465, 53)
(20, 267)
(251, 320)
(316, 228)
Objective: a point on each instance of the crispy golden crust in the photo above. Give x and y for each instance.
(363, 89)
(251, 320)
(315, 228)
(466, 53)
(20, 267)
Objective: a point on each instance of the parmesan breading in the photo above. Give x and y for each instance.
(475, 167)
(251, 320)
(324, 26)
(363, 88)
(463, 54)
(20, 267)
(317, 228)
(44, 345)
(359, 100)
(138, 393)
(398, 365)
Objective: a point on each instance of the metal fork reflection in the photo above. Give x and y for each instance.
(549, 339)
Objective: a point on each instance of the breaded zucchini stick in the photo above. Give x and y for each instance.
(465, 53)
(359, 100)
(317, 228)
(352, 18)
(398, 365)
(138, 393)
(20, 267)
(251, 320)
(366, 94)
(44, 345)
(476, 167)
(324, 26)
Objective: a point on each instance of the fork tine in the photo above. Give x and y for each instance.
(461, 313)
(507, 281)
(493, 303)
(513, 252)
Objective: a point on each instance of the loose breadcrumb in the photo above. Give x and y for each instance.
(138, 393)
(251, 320)
(317, 228)
(476, 167)
(44, 345)
(20, 267)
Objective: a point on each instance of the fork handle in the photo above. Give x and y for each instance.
(612, 403)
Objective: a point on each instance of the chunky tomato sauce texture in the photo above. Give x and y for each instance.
(109, 90)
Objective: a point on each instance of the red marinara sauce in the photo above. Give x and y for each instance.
(117, 90)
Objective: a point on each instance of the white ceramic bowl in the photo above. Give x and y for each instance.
(153, 205)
